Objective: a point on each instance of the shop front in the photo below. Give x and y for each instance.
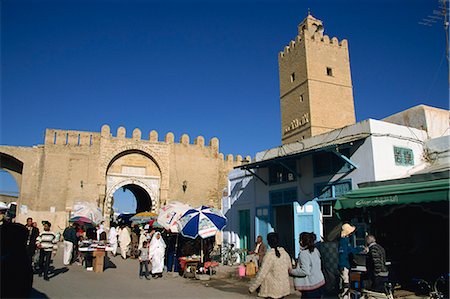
(410, 219)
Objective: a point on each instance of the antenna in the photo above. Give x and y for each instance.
(440, 14)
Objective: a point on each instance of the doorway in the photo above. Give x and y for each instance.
(244, 229)
(284, 226)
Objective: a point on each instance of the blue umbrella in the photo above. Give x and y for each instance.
(203, 221)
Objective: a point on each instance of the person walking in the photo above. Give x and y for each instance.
(124, 240)
(157, 252)
(273, 276)
(345, 249)
(309, 278)
(143, 260)
(70, 243)
(46, 242)
(377, 272)
(33, 233)
(112, 239)
(135, 233)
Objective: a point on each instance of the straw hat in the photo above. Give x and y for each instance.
(347, 229)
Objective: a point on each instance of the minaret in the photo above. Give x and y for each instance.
(316, 93)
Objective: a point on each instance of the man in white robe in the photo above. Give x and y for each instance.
(157, 252)
(125, 241)
(112, 239)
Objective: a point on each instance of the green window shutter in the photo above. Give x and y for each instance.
(403, 156)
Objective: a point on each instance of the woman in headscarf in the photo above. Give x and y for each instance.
(157, 251)
(112, 239)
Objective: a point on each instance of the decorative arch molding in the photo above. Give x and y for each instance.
(114, 155)
(161, 163)
(129, 181)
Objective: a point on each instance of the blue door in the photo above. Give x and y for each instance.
(306, 219)
(262, 223)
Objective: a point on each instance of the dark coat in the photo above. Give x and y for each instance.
(70, 234)
(15, 265)
(376, 261)
(31, 240)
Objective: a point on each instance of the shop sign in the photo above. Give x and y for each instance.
(378, 201)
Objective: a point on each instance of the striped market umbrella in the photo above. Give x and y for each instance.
(203, 221)
(144, 217)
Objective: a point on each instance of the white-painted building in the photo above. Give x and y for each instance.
(292, 188)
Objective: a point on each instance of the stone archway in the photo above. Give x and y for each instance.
(131, 183)
(160, 160)
(139, 173)
(13, 166)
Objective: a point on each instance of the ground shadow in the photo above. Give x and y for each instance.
(109, 263)
(55, 272)
(36, 294)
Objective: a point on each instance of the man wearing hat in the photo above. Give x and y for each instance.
(46, 242)
(345, 249)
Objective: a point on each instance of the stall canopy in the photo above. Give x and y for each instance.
(395, 194)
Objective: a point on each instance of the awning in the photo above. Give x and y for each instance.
(303, 148)
(395, 194)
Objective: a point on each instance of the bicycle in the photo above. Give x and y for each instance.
(388, 293)
(230, 255)
(438, 290)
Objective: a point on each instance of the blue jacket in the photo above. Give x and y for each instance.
(344, 251)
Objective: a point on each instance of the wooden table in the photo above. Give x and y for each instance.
(98, 255)
(189, 263)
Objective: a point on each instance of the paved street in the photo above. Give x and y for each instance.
(123, 282)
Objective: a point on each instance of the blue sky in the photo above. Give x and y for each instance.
(200, 67)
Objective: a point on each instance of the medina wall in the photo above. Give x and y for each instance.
(75, 166)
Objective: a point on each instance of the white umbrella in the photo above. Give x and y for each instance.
(168, 217)
(170, 214)
(89, 210)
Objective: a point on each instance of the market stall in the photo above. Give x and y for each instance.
(94, 254)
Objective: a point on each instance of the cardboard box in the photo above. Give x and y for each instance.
(99, 260)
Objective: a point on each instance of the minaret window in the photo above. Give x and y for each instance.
(301, 98)
(329, 71)
(292, 77)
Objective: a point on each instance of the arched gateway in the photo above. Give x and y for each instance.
(135, 170)
(73, 166)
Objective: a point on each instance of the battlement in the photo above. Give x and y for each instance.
(80, 138)
(71, 138)
(169, 138)
(317, 37)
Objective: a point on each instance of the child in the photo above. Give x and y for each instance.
(143, 260)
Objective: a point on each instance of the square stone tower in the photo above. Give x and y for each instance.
(316, 93)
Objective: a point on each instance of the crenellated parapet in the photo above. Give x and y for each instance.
(71, 138)
(79, 138)
(316, 37)
(169, 138)
(311, 30)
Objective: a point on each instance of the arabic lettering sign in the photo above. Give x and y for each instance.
(377, 201)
